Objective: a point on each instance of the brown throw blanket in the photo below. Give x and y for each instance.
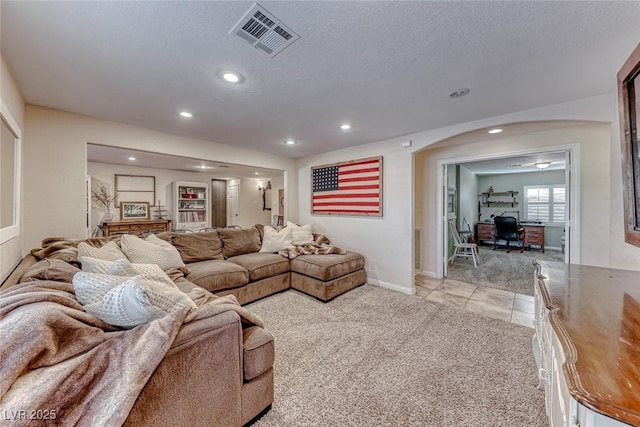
(311, 249)
(67, 249)
(59, 362)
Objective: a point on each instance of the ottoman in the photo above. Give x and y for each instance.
(327, 276)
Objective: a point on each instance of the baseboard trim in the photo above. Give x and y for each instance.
(430, 274)
(392, 286)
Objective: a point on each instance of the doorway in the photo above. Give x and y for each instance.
(233, 206)
(535, 188)
(218, 203)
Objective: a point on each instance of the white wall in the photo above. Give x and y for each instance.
(384, 241)
(55, 165)
(387, 242)
(251, 212)
(11, 250)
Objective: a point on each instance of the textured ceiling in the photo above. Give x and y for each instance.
(385, 67)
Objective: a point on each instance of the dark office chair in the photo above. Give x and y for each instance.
(507, 228)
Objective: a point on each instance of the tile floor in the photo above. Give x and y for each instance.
(495, 303)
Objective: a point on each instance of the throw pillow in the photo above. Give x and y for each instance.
(108, 252)
(274, 241)
(302, 235)
(127, 301)
(151, 250)
(239, 241)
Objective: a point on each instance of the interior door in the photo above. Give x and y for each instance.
(218, 203)
(233, 209)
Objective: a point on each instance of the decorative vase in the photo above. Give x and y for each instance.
(108, 217)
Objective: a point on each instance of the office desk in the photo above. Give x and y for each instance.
(533, 234)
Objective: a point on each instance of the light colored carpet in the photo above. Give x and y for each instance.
(374, 357)
(498, 269)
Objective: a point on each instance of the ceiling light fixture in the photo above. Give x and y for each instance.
(256, 173)
(231, 77)
(542, 165)
(132, 158)
(496, 130)
(345, 126)
(291, 142)
(186, 114)
(460, 93)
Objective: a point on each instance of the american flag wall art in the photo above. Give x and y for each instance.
(348, 188)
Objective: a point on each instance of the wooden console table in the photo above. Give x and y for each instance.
(587, 344)
(136, 227)
(533, 234)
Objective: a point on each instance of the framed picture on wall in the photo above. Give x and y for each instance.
(134, 210)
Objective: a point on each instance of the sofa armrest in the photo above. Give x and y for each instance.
(14, 278)
(199, 380)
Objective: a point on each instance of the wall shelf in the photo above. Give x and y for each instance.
(502, 198)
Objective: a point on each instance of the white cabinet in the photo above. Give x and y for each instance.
(191, 206)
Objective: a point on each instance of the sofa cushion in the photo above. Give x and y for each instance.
(50, 269)
(238, 241)
(258, 351)
(217, 275)
(261, 265)
(327, 267)
(195, 247)
(151, 250)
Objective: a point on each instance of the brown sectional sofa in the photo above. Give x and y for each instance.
(219, 371)
(230, 262)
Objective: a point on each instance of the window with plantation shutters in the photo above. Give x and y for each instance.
(546, 203)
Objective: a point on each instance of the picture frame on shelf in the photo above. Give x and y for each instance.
(134, 211)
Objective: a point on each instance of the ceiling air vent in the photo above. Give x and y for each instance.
(264, 31)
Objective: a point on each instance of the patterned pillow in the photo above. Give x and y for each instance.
(127, 301)
(108, 252)
(123, 267)
(274, 241)
(151, 250)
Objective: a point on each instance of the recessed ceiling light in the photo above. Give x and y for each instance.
(496, 130)
(186, 114)
(460, 93)
(204, 167)
(256, 173)
(542, 165)
(132, 158)
(291, 142)
(231, 77)
(345, 126)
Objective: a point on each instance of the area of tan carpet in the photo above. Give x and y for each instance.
(376, 357)
(512, 271)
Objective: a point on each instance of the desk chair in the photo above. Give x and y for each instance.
(506, 228)
(464, 250)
